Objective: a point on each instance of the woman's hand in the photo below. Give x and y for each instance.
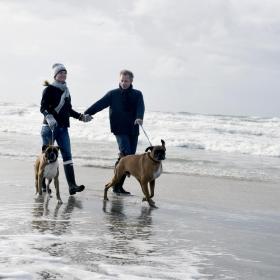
(85, 118)
(51, 121)
(138, 121)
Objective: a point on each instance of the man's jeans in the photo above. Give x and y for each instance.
(127, 144)
(62, 139)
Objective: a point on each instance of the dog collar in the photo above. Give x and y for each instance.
(154, 160)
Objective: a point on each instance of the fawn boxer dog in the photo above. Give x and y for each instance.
(144, 167)
(46, 167)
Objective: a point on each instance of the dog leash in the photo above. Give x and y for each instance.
(146, 134)
(52, 137)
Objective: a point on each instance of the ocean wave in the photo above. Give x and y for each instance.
(238, 131)
(225, 134)
(191, 146)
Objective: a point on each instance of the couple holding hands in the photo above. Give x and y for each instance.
(126, 112)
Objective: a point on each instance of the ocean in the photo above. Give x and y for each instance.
(241, 147)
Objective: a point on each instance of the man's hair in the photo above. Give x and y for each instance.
(128, 73)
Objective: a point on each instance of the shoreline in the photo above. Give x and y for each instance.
(190, 187)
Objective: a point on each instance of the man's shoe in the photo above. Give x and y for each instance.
(74, 189)
(123, 191)
(118, 189)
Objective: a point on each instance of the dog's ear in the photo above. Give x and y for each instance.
(149, 148)
(44, 147)
(162, 142)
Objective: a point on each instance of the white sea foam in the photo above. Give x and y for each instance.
(228, 146)
(21, 275)
(32, 257)
(247, 135)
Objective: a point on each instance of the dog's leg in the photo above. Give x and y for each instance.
(36, 177)
(56, 184)
(117, 177)
(48, 191)
(145, 190)
(152, 188)
(108, 186)
(36, 184)
(40, 180)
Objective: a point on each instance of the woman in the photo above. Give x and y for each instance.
(57, 109)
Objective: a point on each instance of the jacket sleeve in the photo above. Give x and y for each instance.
(140, 107)
(74, 114)
(101, 104)
(45, 108)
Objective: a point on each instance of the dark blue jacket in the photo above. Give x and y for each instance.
(125, 107)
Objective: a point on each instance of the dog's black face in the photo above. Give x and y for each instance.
(158, 152)
(51, 152)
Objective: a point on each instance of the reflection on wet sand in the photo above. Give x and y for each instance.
(53, 222)
(127, 230)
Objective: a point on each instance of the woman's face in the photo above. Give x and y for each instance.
(61, 76)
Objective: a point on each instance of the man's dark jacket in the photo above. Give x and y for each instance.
(126, 105)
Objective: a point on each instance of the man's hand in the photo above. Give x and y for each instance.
(51, 121)
(85, 118)
(138, 121)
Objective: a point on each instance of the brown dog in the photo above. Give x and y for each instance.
(46, 167)
(145, 168)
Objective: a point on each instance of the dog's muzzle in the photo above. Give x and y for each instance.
(159, 155)
(52, 156)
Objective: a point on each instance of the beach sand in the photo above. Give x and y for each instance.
(204, 228)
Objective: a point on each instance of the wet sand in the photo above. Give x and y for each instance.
(204, 228)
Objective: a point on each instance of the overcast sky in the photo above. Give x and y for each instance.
(201, 56)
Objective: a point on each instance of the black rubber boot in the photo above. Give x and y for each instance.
(70, 177)
(118, 188)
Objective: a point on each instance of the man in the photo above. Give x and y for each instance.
(126, 114)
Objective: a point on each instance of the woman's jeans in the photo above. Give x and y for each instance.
(127, 144)
(61, 136)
